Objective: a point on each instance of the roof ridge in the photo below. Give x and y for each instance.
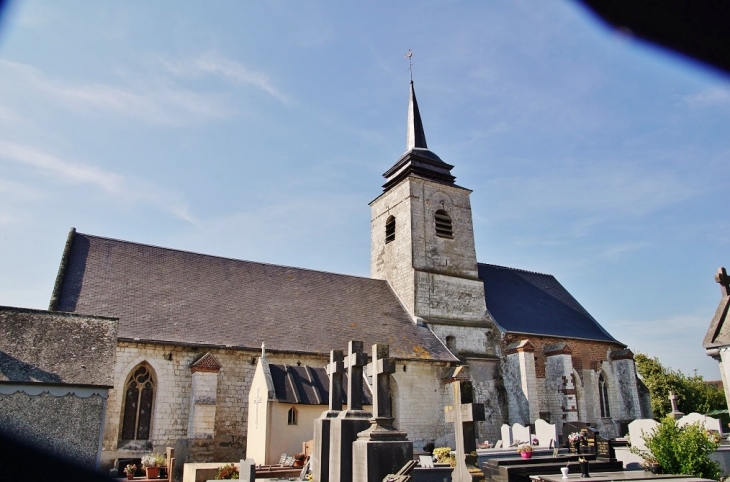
(228, 257)
(515, 269)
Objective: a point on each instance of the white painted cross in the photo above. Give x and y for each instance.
(256, 402)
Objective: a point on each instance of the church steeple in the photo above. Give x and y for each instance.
(418, 160)
(416, 136)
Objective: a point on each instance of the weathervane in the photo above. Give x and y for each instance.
(409, 56)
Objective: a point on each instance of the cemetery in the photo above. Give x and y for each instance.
(352, 444)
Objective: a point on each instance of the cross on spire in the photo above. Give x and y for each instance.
(724, 280)
(409, 56)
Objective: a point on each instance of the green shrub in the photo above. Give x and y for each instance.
(684, 450)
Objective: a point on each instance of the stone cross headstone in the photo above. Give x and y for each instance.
(256, 402)
(724, 280)
(348, 423)
(676, 414)
(464, 414)
(381, 449)
(321, 453)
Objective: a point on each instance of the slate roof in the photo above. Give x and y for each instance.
(307, 385)
(178, 297)
(56, 348)
(535, 303)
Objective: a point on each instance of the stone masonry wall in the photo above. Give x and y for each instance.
(393, 261)
(420, 398)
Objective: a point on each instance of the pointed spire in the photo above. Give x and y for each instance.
(416, 137)
(418, 160)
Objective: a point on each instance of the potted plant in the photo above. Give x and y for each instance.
(149, 463)
(299, 460)
(162, 464)
(130, 470)
(525, 451)
(228, 471)
(443, 455)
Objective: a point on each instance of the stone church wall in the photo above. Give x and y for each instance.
(420, 398)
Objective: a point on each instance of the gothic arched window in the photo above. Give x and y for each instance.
(444, 229)
(139, 396)
(390, 229)
(292, 416)
(603, 396)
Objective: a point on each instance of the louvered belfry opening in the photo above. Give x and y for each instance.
(444, 229)
(390, 229)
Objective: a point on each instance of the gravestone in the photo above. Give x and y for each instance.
(546, 433)
(506, 435)
(520, 433)
(381, 449)
(247, 470)
(321, 456)
(675, 413)
(708, 422)
(345, 427)
(638, 428)
(591, 435)
(604, 449)
(464, 414)
(572, 427)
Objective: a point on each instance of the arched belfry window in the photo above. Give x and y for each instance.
(390, 229)
(139, 396)
(444, 229)
(603, 396)
(292, 416)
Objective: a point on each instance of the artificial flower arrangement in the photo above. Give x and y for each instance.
(228, 471)
(524, 448)
(575, 437)
(130, 469)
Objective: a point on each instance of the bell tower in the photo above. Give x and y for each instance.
(422, 237)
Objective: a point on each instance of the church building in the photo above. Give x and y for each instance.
(191, 327)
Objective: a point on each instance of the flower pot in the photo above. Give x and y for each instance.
(564, 471)
(298, 463)
(526, 455)
(130, 476)
(163, 472)
(584, 469)
(152, 472)
(655, 468)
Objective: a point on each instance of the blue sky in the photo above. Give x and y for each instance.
(260, 130)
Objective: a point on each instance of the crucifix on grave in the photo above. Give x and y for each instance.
(675, 413)
(321, 452)
(352, 420)
(381, 449)
(463, 414)
(724, 280)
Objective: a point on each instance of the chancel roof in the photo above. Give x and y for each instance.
(535, 303)
(308, 385)
(178, 297)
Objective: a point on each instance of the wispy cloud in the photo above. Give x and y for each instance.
(213, 63)
(122, 188)
(155, 102)
(708, 98)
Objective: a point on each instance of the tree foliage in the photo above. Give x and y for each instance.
(684, 450)
(694, 395)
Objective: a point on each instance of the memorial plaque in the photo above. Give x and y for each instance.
(604, 449)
